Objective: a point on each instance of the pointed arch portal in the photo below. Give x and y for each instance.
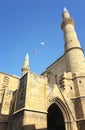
(55, 119)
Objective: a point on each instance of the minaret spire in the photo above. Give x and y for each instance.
(25, 67)
(73, 51)
(27, 57)
(65, 10)
(70, 36)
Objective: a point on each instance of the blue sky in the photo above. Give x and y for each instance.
(24, 24)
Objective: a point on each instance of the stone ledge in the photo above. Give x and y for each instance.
(26, 109)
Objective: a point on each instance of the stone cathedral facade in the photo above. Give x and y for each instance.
(54, 100)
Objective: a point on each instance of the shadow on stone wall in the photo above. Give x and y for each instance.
(3, 121)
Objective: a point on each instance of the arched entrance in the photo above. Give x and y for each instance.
(55, 119)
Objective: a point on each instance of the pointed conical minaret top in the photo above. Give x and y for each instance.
(65, 10)
(27, 56)
(25, 67)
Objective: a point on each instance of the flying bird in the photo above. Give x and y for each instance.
(34, 52)
(42, 43)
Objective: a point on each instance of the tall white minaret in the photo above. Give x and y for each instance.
(25, 67)
(73, 51)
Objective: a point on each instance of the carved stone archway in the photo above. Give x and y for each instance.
(58, 117)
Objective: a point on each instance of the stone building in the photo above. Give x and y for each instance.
(54, 100)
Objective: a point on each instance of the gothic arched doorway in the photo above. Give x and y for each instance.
(55, 119)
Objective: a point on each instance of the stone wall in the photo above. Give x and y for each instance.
(34, 120)
(8, 84)
(36, 92)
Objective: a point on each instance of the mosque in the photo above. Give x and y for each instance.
(54, 100)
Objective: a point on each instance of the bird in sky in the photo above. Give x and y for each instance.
(42, 43)
(34, 52)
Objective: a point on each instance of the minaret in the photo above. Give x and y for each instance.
(73, 51)
(25, 67)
